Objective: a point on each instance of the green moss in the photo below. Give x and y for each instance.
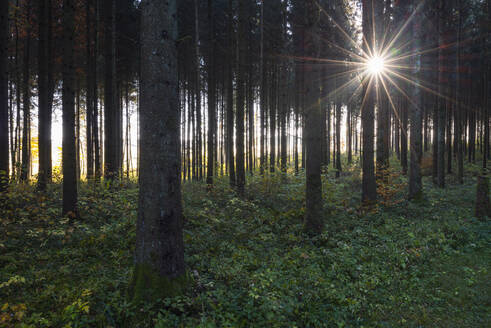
(148, 285)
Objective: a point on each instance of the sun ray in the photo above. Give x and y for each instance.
(340, 28)
(402, 28)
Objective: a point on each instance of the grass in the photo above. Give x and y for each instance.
(400, 264)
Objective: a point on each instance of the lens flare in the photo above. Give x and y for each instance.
(376, 65)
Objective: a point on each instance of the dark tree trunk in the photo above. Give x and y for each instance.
(44, 107)
(449, 138)
(239, 139)
(199, 140)
(440, 120)
(159, 256)
(369, 187)
(263, 93)
(4, 103)
(272, 121)
(230, 98)
(415, 183)
(26, 141)
(313, 196)
(338, 139)
(349, 134)
(69, 151)
(111, 119)
(211, 96)
(89, 104)
(459, 114)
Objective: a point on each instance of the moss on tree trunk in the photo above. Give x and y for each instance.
(147, 284)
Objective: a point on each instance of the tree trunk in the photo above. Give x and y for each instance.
(239, 139)
(44, 113)
(369, 187)
(440, 141)
(68, 103)
(459, 115)
(230, 98)
(89, 103)
(159, 256)
(415, 184)
(111, 119)
(211, 96)
(313, 196)
(198, 93)
(4, 109)
(338, 139)
(26, 141)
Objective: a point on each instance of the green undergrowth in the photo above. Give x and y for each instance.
(401, 264)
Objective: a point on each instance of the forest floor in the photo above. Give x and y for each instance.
(400, 264)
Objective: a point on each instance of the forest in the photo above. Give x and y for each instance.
(245, 163)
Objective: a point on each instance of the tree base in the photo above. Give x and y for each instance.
(148, 285)
(483, 207)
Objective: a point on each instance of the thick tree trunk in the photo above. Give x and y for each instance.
(68, 103)
(159, 256)
(4, 110)
(313, 196)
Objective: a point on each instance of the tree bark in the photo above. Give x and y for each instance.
(230, 98)
(211, 97)
(313, 195)
(239, 139)
(4, 109)
(44, 113)
(26, 95)
(159, 256)
(111, 119)
(68, 103)
(369, 186)
(415, 183)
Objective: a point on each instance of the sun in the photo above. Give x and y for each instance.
(376, 65)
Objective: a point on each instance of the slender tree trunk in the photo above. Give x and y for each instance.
(4, 109)
(159, 256)
(198, 92)
(272, 122)
(44, 113)
(369, 187)
(459, 115)
(239, 139)
(440, 141)
(68, 103)
(111, 119)
(415, 183)
(230, 98)
(263, 92)
(338, 139)
(26, 155)
(211, 96)
(89, 103)
(349, 134)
